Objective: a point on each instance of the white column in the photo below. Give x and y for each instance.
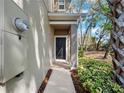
(74, 50)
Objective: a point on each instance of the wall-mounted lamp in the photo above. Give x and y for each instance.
(21, 25)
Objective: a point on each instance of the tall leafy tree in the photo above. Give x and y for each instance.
(114, 10)
(103, 35)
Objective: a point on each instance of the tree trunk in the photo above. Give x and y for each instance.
(86, 33)
(117, 10)
(89, 26)
(98, 44)
(106, 54)
(81, 35)
(107, 49)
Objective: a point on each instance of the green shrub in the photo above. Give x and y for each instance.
(96, 76)
(80, 52)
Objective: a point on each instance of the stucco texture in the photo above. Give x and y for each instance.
(39, 43)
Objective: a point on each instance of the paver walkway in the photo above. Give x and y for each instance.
(60, 82)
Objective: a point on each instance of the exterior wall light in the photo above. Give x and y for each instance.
(21, 25)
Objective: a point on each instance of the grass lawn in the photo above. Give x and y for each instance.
(96, 76)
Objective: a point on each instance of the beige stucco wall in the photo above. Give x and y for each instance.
(39, 45)
(1, 12)
(1, 26)
(50, 5)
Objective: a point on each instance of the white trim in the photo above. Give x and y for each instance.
(60, 22)
(61, 60)
(61, 10)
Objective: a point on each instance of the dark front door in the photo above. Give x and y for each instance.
(60, 48)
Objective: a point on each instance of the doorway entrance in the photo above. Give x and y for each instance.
(60, 48)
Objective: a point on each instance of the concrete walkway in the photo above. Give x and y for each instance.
(60, 82)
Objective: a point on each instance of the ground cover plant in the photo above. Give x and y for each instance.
(96, 76)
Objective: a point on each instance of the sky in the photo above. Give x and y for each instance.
(98, 26)
(84, 24)
(86, 7)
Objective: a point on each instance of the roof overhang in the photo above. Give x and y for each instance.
(63, 17)
(62, 22)
(61, 27)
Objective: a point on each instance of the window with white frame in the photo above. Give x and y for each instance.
(61, 5)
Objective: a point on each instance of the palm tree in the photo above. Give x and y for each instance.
(117, 16)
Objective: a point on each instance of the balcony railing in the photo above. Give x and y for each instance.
(65, 6)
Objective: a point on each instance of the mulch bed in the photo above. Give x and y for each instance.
(77, 83)
(45, 81)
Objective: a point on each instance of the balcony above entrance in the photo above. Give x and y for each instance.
(63, 10)
(62, 17)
